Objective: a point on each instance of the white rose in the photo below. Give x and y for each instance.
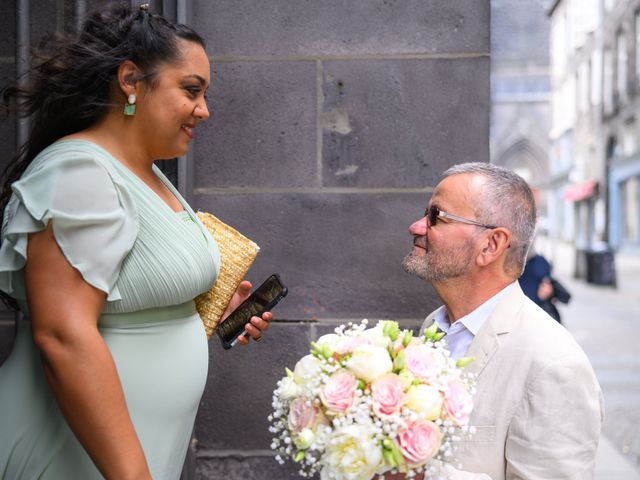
(288, 389)
(352, 453)
(425, 400)
(376, 336)
(370, 362)
(330, 339)
(307, 368)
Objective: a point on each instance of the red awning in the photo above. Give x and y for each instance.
(580, 191)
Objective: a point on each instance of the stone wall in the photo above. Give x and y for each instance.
(330, 124)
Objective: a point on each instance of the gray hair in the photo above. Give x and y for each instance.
(507, 201)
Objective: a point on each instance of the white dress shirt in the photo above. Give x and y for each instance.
(460, 335)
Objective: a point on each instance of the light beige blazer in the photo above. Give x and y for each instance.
(538, 408)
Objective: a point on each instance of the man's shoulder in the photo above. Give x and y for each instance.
(538, 337)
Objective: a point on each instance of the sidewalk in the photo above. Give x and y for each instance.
(606, 323)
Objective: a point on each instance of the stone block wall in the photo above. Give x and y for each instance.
(330, 124)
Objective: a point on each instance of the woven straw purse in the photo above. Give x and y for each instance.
(237, 253)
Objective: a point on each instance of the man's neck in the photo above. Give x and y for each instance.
(463, 296)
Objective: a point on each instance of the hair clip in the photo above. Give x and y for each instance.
(144, 7)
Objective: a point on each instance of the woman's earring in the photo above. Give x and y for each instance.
(130, 105)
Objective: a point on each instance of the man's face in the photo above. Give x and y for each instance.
(447, 249)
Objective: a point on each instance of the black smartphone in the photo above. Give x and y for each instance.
(261, 300)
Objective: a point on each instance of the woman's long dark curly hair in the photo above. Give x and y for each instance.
(71, 82)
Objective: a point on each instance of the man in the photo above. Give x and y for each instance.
(538, 406)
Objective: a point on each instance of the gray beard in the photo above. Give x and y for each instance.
(435, 267)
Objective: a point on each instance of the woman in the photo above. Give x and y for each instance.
(104, 257)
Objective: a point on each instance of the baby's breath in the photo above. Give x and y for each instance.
(311, 450)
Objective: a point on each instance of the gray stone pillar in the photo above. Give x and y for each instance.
(330, 123)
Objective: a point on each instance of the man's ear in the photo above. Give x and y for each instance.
(128, 76)
(494, 246)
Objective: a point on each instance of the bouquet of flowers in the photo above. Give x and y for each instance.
(366, 401)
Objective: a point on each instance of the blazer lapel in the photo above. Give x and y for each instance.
(483, 347)
(501, 321)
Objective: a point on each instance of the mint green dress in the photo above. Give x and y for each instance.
(151, 262)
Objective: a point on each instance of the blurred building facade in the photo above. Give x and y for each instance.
(520, 89)
(595, 103)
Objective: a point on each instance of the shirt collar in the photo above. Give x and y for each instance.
(474, 320)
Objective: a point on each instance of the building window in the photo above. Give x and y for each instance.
(621, 67)
(637, 45)
(607, 82)
(631, 210)
(596, 78)
(582, 87)
(629, 138)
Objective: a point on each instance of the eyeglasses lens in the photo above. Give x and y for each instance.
(432, 215)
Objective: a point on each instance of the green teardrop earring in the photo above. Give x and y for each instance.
(130, 105)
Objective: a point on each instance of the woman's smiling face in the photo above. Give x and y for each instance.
(168, 111)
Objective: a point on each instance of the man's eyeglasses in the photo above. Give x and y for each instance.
(433, 213)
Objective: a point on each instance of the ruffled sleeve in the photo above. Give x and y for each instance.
(92, 213)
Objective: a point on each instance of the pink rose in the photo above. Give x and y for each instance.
(457, 402)
(423, 362)
(339, 392)
(302, 414)
(387, 394)
(419, 442)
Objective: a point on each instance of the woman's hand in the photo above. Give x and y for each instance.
(257, 325)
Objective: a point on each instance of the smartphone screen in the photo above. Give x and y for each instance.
(263, 299)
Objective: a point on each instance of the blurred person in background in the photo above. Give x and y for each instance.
(538, 284)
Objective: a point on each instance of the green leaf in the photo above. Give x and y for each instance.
(390, 453)
(389, 458)
(399, 362)
(464, 361)
(315, 350)
(390, 329)
(299, 456)
(321, 351)
(397, 456)
(407, 338)
(431, 331)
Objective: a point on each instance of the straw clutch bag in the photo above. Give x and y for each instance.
(237, 253)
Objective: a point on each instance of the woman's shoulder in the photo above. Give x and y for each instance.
(76, 165)
(67, 171)
(69, 154)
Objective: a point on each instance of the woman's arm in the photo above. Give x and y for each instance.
(77, 363)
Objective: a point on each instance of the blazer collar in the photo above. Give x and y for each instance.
(502, 320)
